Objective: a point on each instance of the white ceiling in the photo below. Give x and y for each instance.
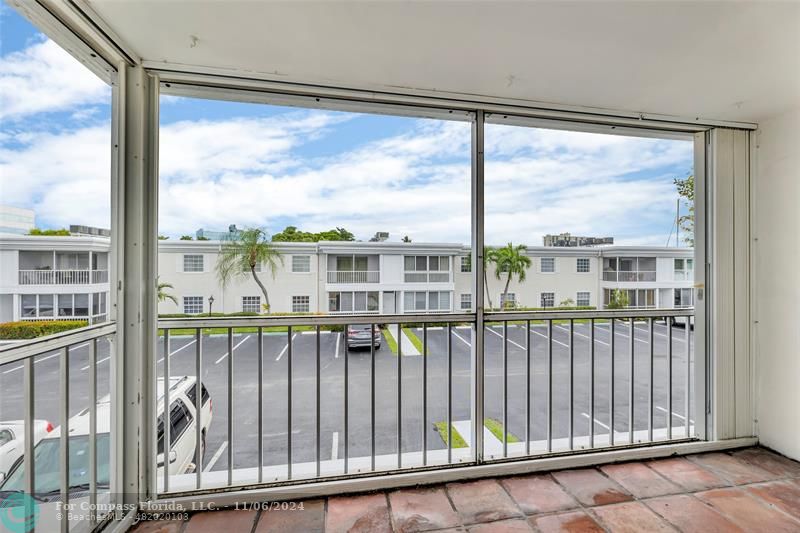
(724, 61)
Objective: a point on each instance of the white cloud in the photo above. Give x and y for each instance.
(45, 78)
(258, 171)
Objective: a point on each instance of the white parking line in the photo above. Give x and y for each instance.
(179, 349)
(545, 336)
(37, 361)
(335, 446)
(338, 338)
(621, 334)
(509, 340)
(462, 339)
(596, 421)
(673, 414)
(218, 361)
(216, 457)
(578, 333)
(285, 348)
(103, 360)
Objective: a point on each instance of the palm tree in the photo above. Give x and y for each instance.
(240, 256)
(161, 291)
(489, 257)
(511, 260)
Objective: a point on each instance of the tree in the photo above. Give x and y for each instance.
(186, 238)
(619, 299)
(161, 291)
(203, 239)
(511, 260)
(406, 238)
(49, 232)
(569, 302)
(489, 257)
(240, 256)
(162, 237)
(686, 222)
(292, 234)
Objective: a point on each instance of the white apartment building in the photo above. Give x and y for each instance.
(388, 278)
(53, 278)
(67, 277)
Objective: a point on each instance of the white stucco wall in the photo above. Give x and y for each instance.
(776, 280)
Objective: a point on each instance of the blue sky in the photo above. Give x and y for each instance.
(257, 165)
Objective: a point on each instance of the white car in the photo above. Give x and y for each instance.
(183, 444)
(12, 440)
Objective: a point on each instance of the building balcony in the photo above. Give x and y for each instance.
(354, 276)
(62, 277)
(629, 276)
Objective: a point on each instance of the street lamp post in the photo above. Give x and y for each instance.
(210, 303)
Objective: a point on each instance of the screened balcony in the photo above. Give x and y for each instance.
(164, 413)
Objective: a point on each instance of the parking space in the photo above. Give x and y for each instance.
(278, 356)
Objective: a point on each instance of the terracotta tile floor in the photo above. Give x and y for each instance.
(745, 490)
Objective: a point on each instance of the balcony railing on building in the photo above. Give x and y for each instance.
(62, 277)
(629, 276)
(354, 276)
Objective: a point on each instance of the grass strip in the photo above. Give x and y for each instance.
(414, 339)
(496, 429)
(390, 340)
(458, 440)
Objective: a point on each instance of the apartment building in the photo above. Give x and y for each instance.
(67, 277)
(54, 278)
(389, 278)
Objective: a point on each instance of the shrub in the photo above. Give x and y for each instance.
(49, 232)
(33, 329)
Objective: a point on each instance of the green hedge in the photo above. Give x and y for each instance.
(33, 329)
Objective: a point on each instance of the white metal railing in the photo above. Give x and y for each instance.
(426, 277)
(77, 353)
(628, 276)
(354, 276)
(443, 392)
(41, 318)
(62, 277)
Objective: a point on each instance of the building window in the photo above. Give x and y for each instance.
(192, 305)
(641, 298)
(508, 300)
(251, 304)
(684, 298)
(29, 306)
(684, 270)
(65, 305)
(353, 301)
(583, 264)
(301, 263)
(548, 264)
(426, 301)
(466, 263)
(548, 299)
(629, 269)
(583, 299)
(301, 304)
(193, 263)
(466, 300)
(423, 268)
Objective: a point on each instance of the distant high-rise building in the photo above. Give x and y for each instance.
(566, 240)
(380, 236)
(16, 220)
(76, 229)
(211, 235)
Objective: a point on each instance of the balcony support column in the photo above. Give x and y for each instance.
(477, 284)
(133, 273)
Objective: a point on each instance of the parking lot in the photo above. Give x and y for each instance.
(333, 355)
